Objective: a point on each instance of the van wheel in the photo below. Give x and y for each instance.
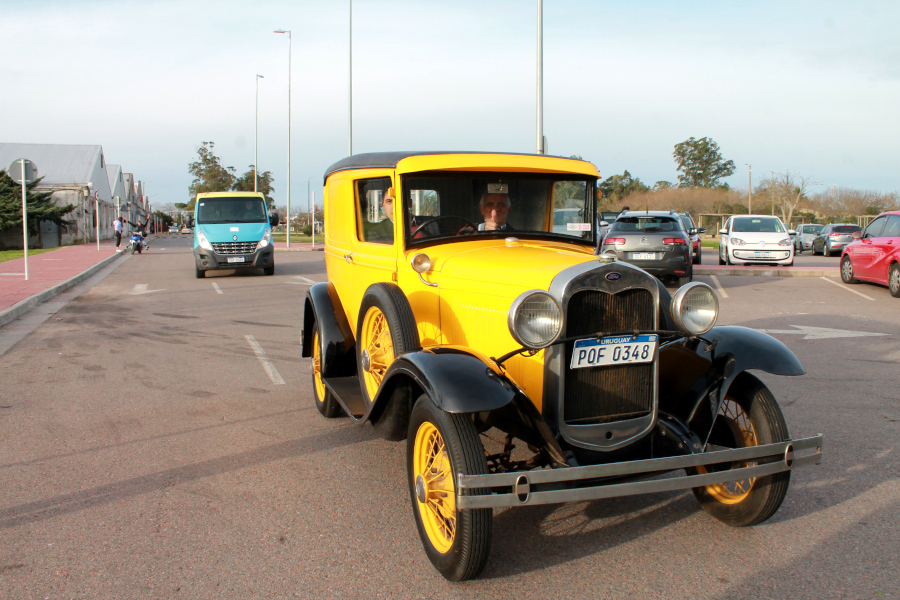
(440, 445)
(198, 273)
(749, 416)
(386, 329)
(325, 402)
(269, 270)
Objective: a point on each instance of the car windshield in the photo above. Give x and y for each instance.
(846, 228)
(236, 209)
(444, 205)
(757, 225)
(645, 224)
(814, 229)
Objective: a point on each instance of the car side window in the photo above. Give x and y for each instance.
(875, 228)
(374, 224)
(892, 227)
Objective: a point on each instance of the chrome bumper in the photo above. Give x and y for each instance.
(518, 485)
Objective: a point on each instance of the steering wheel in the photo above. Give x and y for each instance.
(466, 227)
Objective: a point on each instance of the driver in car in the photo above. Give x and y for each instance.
(495, 209)
(383, 231)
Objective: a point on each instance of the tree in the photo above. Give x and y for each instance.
(662, 185)
(617, 187)
(264, 181)
(209, 174)
(39, 203)
(701, 164)
(786, 191)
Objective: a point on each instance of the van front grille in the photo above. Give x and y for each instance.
(235, 247)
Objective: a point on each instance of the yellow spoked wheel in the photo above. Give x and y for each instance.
(435, 493)
(325, 402)
(441, 445)
(749, 416)
(377, 349)
(733, 492)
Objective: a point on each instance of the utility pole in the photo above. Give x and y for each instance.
(541, 146)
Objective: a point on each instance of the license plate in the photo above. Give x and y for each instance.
(615, 350)
(235, 259)
(644, 256)
(763, 255)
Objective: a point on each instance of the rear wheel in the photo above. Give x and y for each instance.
(696, 260)
(440, 445)
(750, 416)
(386, 329)
(826, 251)
(847, 270)
(325, 402)
(894, 280)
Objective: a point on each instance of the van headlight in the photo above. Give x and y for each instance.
(535, 319)
(202, 241)
(695, 308)
(266, 239)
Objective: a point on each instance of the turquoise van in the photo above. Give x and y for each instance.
(233, 230)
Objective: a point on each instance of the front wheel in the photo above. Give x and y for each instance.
(847, 270)
(722, 257)
(440, 445)
(269, 270)
(199, 273)
(749, 416)
(894, 280)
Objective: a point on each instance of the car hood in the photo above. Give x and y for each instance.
(508, 270)
(218, 233)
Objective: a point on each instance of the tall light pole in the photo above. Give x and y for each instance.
(309, 199)
(256, 154)
(288, 32)
(350, 97)
(749, 188)
(540, 78)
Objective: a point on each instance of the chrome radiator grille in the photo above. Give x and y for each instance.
(605, 394)
(235, 248)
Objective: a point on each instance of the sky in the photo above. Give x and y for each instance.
(807, 87)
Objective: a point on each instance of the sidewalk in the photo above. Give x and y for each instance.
(49, 274)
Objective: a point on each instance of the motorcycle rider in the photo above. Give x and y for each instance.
(141, 229)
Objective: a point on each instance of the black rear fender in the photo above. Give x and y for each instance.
(323, 307)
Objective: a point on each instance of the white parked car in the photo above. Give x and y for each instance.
(755, 239)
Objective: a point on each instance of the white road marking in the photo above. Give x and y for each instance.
(141, 288)
(270, 369)
(719, 286)
(820, 333)
(844, 287)
(51, 259)
(304, 279)
(19, 274)
(217, 288)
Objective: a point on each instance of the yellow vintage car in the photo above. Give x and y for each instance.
(467, 311)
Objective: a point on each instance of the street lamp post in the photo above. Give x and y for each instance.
(749, 188)
(309, 205)
(288, 32)
(256, 153)
(540, 79)
(350, 93)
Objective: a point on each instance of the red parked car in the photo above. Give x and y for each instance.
(874, 254)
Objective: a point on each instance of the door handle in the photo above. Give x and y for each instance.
(349, 258)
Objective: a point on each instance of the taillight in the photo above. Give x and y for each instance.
(681, 241)
(834, 235)
(613, 241)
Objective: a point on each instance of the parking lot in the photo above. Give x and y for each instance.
(160, 441)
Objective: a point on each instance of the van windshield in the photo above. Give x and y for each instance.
(235, 209)
(448, 205)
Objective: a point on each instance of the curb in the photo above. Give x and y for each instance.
(756, 272)
(17, 310)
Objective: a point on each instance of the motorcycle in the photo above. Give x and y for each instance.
(137, 243)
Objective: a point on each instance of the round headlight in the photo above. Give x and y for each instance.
(421, 263)
(695, 308)
(535, 319)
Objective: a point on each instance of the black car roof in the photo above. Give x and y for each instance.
(389, 160)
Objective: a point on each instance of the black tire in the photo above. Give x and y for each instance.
(750, 416)
(269, 270)
(722, 260)
(696, 260)
(462, 554)
(894, 280)
(373, 356)
(826, 251)
(847, 270)
(133, 248)
(684, 280)
(325, 402)
(199, 274)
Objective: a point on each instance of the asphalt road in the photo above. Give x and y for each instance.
(149, 452)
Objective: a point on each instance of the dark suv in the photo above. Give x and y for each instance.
(655, 241)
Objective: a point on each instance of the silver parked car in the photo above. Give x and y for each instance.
(833, 238)
(806, 234)
(655, 241)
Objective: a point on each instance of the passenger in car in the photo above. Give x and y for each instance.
(495, 209)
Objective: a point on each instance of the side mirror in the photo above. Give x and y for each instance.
(273, 218)
(792, 232)
(857, 235)
(604, 224)
(701, 230)
(723, 231)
